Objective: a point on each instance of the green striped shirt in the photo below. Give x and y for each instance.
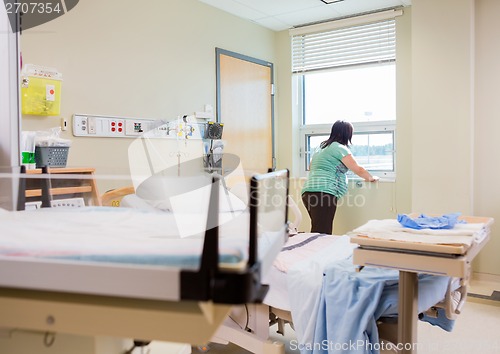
(327, 172)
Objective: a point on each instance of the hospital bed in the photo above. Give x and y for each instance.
(129, 273)
(308, 255)
(296, 285)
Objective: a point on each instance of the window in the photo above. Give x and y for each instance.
(363, 94)
(348, 74)
(372, 145)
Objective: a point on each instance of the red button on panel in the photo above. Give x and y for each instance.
(113, 124)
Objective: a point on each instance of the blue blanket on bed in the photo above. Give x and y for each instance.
(351, 302)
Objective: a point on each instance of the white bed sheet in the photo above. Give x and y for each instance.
(303, 247)
(277, 296)
(97, 233)
(390, 229)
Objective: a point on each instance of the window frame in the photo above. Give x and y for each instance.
(388, 126)
(360, 127)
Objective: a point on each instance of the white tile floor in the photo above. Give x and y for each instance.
(484, 284)
(476, 331)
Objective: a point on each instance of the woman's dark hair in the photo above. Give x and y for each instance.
(341, 133)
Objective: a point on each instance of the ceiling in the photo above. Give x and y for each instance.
(280, 15)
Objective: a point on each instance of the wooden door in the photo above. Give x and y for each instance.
(245, 106)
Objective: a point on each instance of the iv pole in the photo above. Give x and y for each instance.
(214, 132)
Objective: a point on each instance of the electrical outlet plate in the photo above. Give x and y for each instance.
(80, 125)
(91, 125)
(135, 127)
(204, 115)
(64, 124)
(32, 205)
(68, 203)
(114, 127)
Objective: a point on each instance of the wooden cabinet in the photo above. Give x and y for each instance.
(65, 183)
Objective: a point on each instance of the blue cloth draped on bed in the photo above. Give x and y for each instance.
(334, 306)
(351, 302)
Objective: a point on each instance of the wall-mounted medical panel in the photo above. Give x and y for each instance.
(113, 127)
(94, 126)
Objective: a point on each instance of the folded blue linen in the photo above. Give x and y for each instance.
(446, 221)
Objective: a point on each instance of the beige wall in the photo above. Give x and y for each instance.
(486, 165)
(454, 130)
(152, 59)
(442, 105)
(285, 134)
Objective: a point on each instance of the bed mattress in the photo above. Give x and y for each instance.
(118, 251)
(118, 235)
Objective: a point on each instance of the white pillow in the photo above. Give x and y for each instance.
(164, 195)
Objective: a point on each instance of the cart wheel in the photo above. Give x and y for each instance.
(203, 348)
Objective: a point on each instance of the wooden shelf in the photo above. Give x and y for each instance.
(59, 191)
(72, 170)
(80, 182)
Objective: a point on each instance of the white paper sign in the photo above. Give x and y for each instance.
(50, 93)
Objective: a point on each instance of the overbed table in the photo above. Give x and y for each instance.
(411, 258)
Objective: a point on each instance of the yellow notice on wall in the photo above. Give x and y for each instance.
(40, 91)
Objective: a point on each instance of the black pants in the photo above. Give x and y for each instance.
(321, 208)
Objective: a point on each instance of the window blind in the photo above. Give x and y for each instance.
(367, 43)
